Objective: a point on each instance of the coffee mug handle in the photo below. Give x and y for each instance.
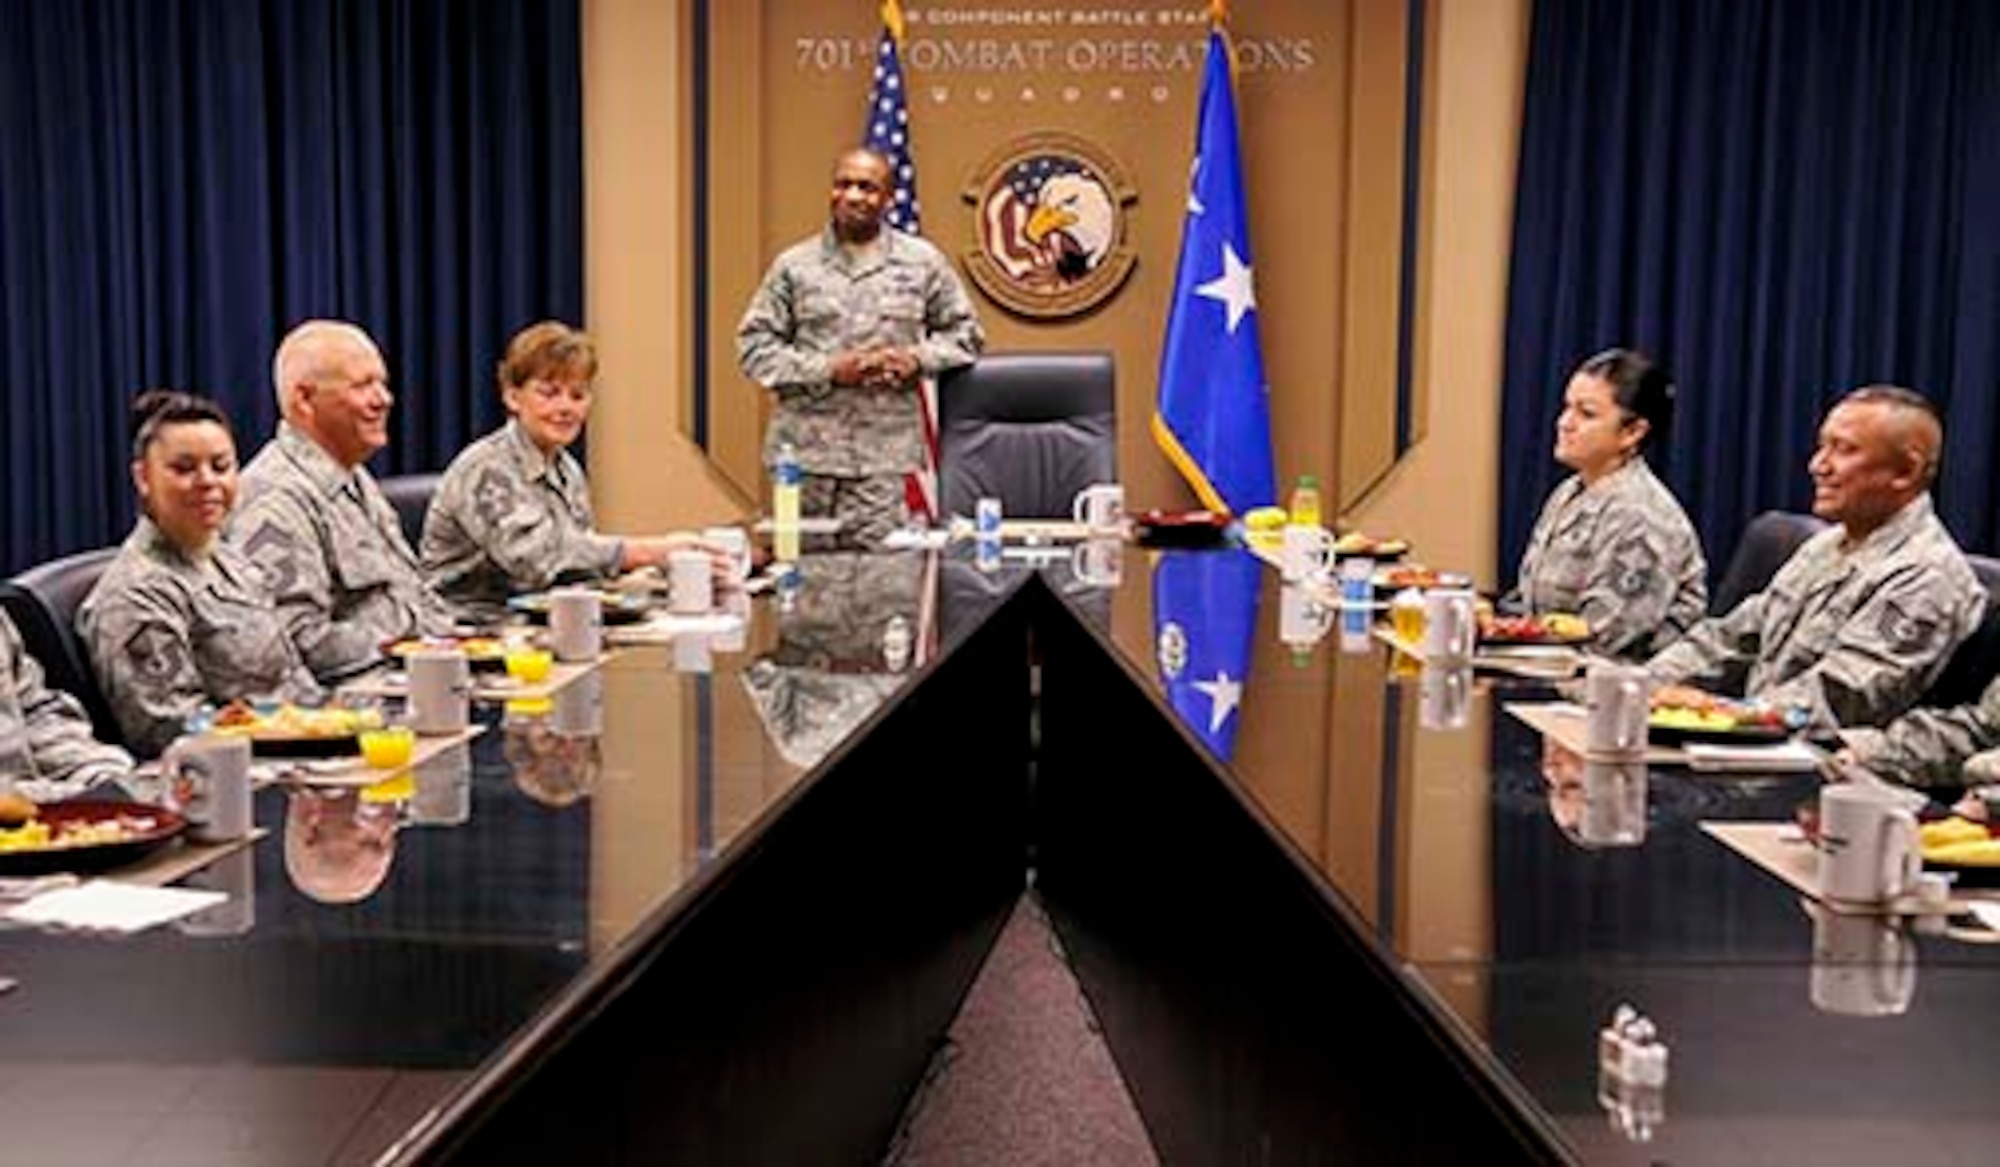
(171, 760)
(1901, 861)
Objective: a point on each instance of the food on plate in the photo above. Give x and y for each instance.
(44, 835)
(14, 809)
(1949, 831)
(1356, 543)
(477, 648)
(1690, 710)
(292, 721)
(1549, 628)
(1970, 853)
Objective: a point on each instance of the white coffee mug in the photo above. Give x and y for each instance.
(1614, 803)
(736, 542)
(234, 875)
(1863, 966)
(1098, 563)
(1868, 849)
(1449, 625)
(205, 779)
(691, 590)
(578, 708)
(1303, 621)
(1445, 693)
(1618, 698)
(440, 690)
(736, 636)
(1306, 553)
(576, 624)
(1100, 507)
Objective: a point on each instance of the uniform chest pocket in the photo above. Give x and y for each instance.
(364, 562)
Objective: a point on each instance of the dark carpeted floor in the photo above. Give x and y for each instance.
(1024, 1079)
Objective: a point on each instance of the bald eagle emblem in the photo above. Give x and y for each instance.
(1049, 233)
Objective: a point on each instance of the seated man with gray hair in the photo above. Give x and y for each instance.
(1862, 618)
(313, 519)
(47, 751)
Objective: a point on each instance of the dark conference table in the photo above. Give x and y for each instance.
(725, 916)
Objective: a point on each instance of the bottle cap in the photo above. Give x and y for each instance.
(1309, 480)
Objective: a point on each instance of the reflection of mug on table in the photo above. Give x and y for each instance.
(1868, 849)
(234, 875)
(1614, 803)
(1100, 507)
(1446, 696)
(1863, 966)
(1098, 563)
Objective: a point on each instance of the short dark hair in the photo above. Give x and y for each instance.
(1640, 386)
(155, 409)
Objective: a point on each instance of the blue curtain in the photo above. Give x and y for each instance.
(1781, 200)
(181, 182)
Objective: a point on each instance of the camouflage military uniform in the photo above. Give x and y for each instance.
(1851, 634)
(1932, 747)
(332, 555)
(505, 519)
(849, 644)
(819, 300)
(168, 635)
(1622, 555)
(46, 748)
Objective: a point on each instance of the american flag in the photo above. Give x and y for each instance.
(888, 134)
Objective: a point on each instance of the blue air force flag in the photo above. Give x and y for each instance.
(1204, 626)
(889, 127)
(1214, 419)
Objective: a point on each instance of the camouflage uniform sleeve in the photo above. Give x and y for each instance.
(952, 335)
(66, 758)
(498, 511)
(276, 534)
(767, 339)
(1716, 654)
(1629, 591)
(141, 645)
(1929, 747)
(1886, 654)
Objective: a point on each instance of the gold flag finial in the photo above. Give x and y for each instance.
(1218, 12)
(892, 19)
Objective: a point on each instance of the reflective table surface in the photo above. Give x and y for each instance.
(384, 947)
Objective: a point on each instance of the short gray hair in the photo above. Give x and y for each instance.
(303, 352)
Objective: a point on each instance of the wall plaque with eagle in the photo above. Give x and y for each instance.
(1049, 226)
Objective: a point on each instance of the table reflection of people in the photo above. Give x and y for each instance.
(338, 845)
(556, 753)
(859, 622)
(1595, 802)
(442, 794)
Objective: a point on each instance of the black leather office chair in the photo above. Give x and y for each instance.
(1031, 429)
(42, 601)
(411, 495)
(1977, 661)
(1764, 547)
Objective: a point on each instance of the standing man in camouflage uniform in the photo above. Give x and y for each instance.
(1861, 619)
(842, 330)
(46, 748)
(330, 546)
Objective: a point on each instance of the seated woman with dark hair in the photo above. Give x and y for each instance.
(513, 512)
(1613, 544)
(181, 619)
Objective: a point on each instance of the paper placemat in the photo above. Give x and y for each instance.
(1548, 663)
(357, 772)
(1782, 850)
(1567, 726)
(104, 905)
(663, 627)
(1051, 530)
(486, 685)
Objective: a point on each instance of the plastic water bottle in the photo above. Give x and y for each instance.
(986, 534)
(785, 479)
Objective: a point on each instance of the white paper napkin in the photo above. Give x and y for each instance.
(103, 905)
(1778, 756)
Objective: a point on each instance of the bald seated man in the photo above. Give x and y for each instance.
(1862, 618)
(312, 518)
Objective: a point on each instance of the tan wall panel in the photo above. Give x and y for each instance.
(780, 117)
(1370, 308)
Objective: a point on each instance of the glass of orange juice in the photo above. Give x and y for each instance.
(528, 664)
(1406, 615)
(388, 747)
